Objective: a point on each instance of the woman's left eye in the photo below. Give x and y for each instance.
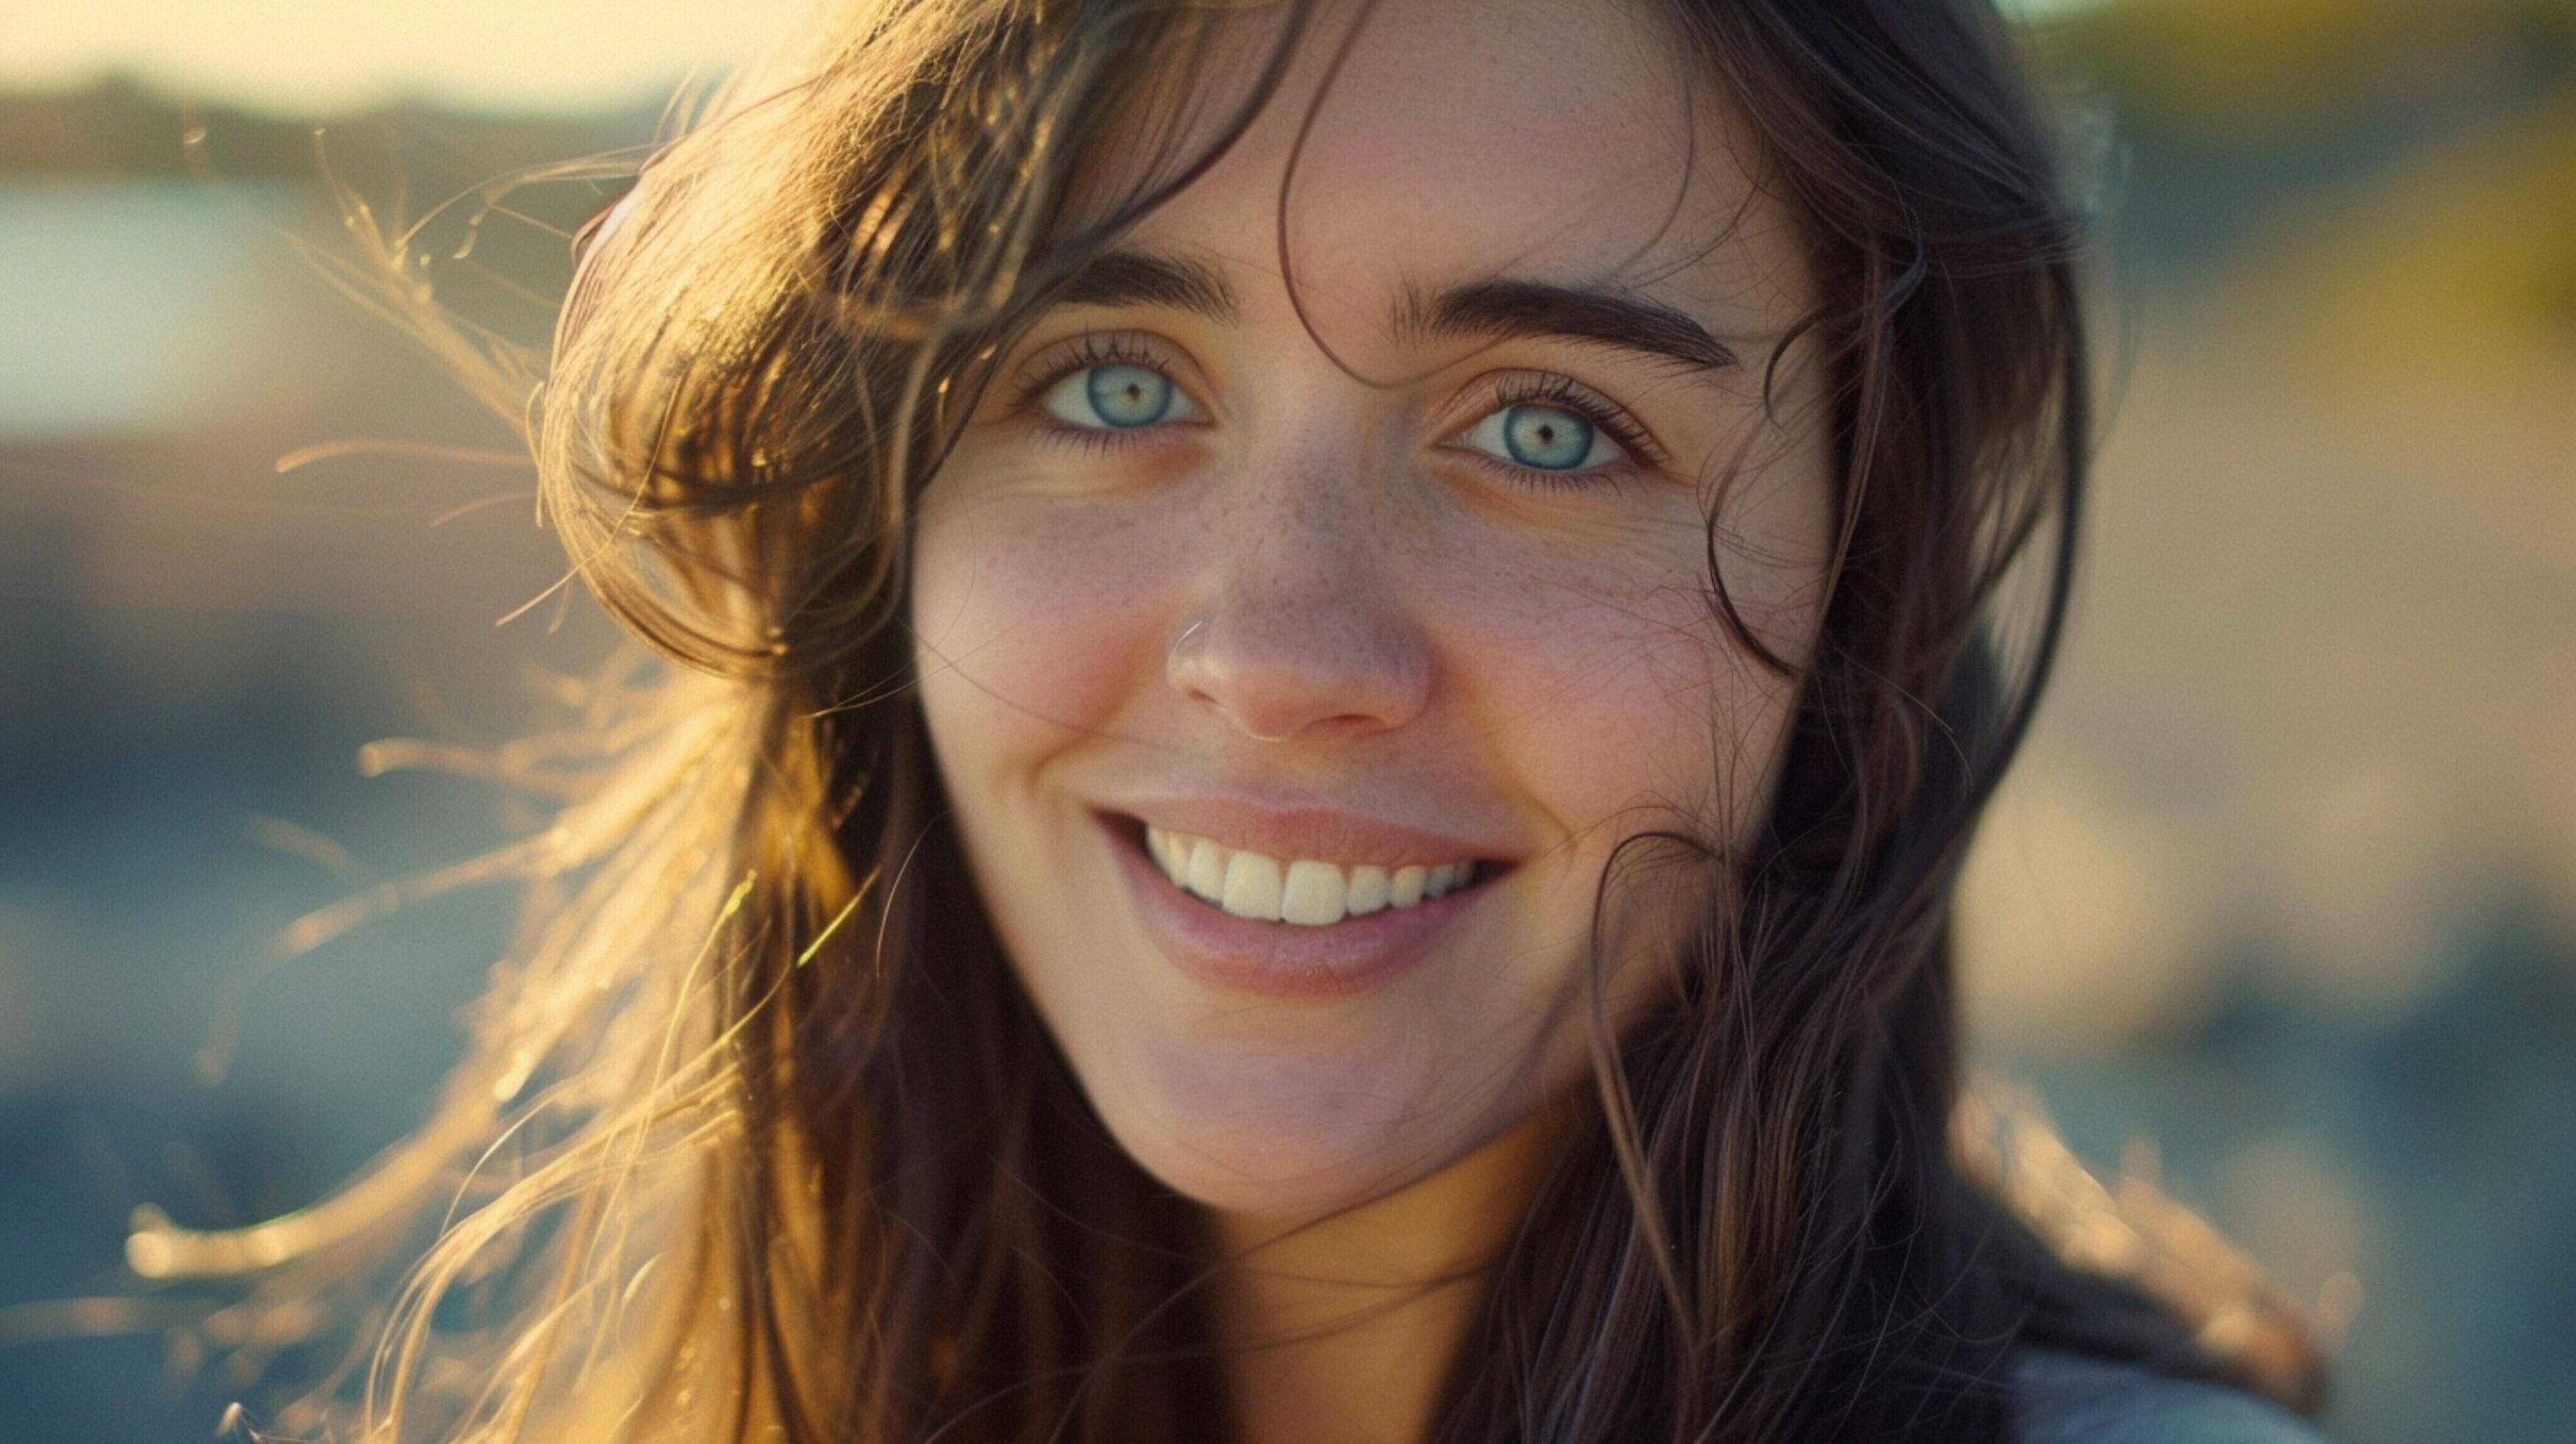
(1543, 438)
(1117, 396)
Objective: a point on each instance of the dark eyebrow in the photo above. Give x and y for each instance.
(1493, 309)
(1500, 309)
(1145, 278)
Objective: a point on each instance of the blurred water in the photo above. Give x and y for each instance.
(194, 648)
(151, 296)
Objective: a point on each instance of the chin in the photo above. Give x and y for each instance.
(1289, 1168)
(1276, 1132)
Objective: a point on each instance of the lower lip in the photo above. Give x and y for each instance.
(1281, 960)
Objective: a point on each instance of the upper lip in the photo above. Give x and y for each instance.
(1288, 830)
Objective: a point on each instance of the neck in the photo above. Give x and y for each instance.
(1342, 1329)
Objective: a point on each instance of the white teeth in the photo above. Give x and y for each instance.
(1314, 894)
(1251, 887)
(1405, 889)
(1207, 869)
(1305, 892)
(1368, 890)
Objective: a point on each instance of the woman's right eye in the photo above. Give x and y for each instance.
(1116, 396)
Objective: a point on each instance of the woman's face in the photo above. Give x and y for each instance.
(1411, 591)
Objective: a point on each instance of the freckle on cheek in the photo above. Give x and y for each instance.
(1047, 626)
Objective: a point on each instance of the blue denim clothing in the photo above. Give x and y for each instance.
(2069, 1398)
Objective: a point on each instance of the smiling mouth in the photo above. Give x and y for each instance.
(1299, 892)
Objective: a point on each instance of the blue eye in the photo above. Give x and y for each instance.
(1543, 438)
(1118, 395)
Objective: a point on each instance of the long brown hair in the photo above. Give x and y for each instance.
(759, 1130)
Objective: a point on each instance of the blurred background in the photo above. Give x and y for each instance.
(2280, 910)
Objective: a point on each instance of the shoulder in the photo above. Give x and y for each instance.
(2069, 1397)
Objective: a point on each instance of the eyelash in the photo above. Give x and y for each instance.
(1562, 393)
(1091, 348)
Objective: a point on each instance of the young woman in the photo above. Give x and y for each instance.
(1337, 659)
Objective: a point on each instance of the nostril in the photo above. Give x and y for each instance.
(1279, 668)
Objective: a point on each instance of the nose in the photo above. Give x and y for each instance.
(1300, 633)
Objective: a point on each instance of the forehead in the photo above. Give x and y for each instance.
(1574, 140)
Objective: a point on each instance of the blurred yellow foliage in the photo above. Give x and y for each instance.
(2226, 68)
(2472, 262)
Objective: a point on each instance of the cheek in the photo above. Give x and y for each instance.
(1617, 694)
(1033, 626)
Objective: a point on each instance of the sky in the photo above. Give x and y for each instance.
(320, 56)
(302, 57)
